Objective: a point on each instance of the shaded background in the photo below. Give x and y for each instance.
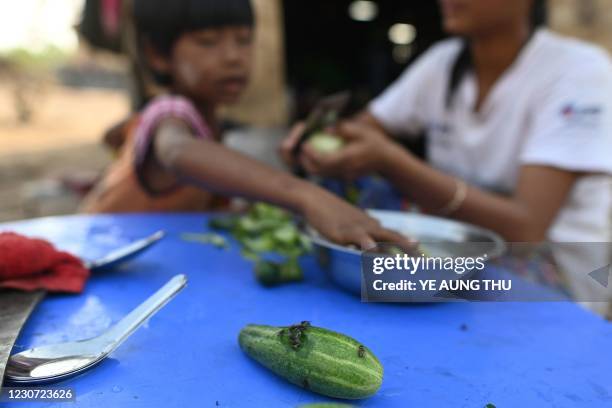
(58, 93)
(352, 44)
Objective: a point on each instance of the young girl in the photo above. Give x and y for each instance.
(201, 51)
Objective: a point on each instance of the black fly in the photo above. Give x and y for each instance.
(296, 333)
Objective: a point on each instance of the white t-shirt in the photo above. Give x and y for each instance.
(552, 107)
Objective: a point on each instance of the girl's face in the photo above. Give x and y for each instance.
(212, 66)
(476, 17)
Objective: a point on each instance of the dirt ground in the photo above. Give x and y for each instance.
(61, 138)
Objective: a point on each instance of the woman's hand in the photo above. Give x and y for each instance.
(366, 151)
(344, 224)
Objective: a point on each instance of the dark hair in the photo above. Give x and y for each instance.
(463, 63)
(162, 22)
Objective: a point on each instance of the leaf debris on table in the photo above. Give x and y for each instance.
(208, 238)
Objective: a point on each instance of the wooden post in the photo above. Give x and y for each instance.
(590, 20)
(265, 101)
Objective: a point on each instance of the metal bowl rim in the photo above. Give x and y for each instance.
(498, 242)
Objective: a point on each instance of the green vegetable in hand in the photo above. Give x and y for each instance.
(314, 358)
(325, 143)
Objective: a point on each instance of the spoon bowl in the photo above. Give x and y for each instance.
(59, 361)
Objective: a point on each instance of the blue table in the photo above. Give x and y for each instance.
(511, 355)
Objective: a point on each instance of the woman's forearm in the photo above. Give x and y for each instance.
(432, 190)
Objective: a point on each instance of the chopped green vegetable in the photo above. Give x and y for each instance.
(267, 232)
(260, 244)
(223, 223)
(250, 255)
(267, 273)
(209, 238)
(286, 234)
(272, 273)
(352, 193)
(325, 143)
(291, 271)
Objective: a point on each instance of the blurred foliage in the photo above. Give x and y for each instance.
(26, 71)
(48, 58)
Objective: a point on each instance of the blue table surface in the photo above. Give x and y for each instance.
(511, 355)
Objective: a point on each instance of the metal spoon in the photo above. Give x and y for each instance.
(59, 361)
(121, 255)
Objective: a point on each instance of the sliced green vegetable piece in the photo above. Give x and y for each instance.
(209, 238)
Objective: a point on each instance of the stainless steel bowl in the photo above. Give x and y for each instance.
(438, 237)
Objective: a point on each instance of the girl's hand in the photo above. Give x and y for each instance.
(367, 151)
(344, 224)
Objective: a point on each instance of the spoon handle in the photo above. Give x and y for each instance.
(126, 326)
(124, 254)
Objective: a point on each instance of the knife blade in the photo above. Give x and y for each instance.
(15, 308)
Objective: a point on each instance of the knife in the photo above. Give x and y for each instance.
(325, 113)
(15, 308)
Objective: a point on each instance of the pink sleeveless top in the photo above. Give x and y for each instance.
(123, 189)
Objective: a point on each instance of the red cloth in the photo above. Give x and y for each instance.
(30, 264)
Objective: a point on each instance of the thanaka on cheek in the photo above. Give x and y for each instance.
(188, 76)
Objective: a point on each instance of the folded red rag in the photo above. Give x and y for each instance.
(31, 264)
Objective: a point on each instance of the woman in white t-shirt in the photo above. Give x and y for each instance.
(519, 127)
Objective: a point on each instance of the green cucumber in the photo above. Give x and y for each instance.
(320, 360)
(327, 405)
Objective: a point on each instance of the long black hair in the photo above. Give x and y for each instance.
(160, 23)
(464, 62)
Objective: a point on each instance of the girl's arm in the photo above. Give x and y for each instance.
(525, 217)
(218, 169)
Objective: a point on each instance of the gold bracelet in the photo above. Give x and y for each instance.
(457, 201)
